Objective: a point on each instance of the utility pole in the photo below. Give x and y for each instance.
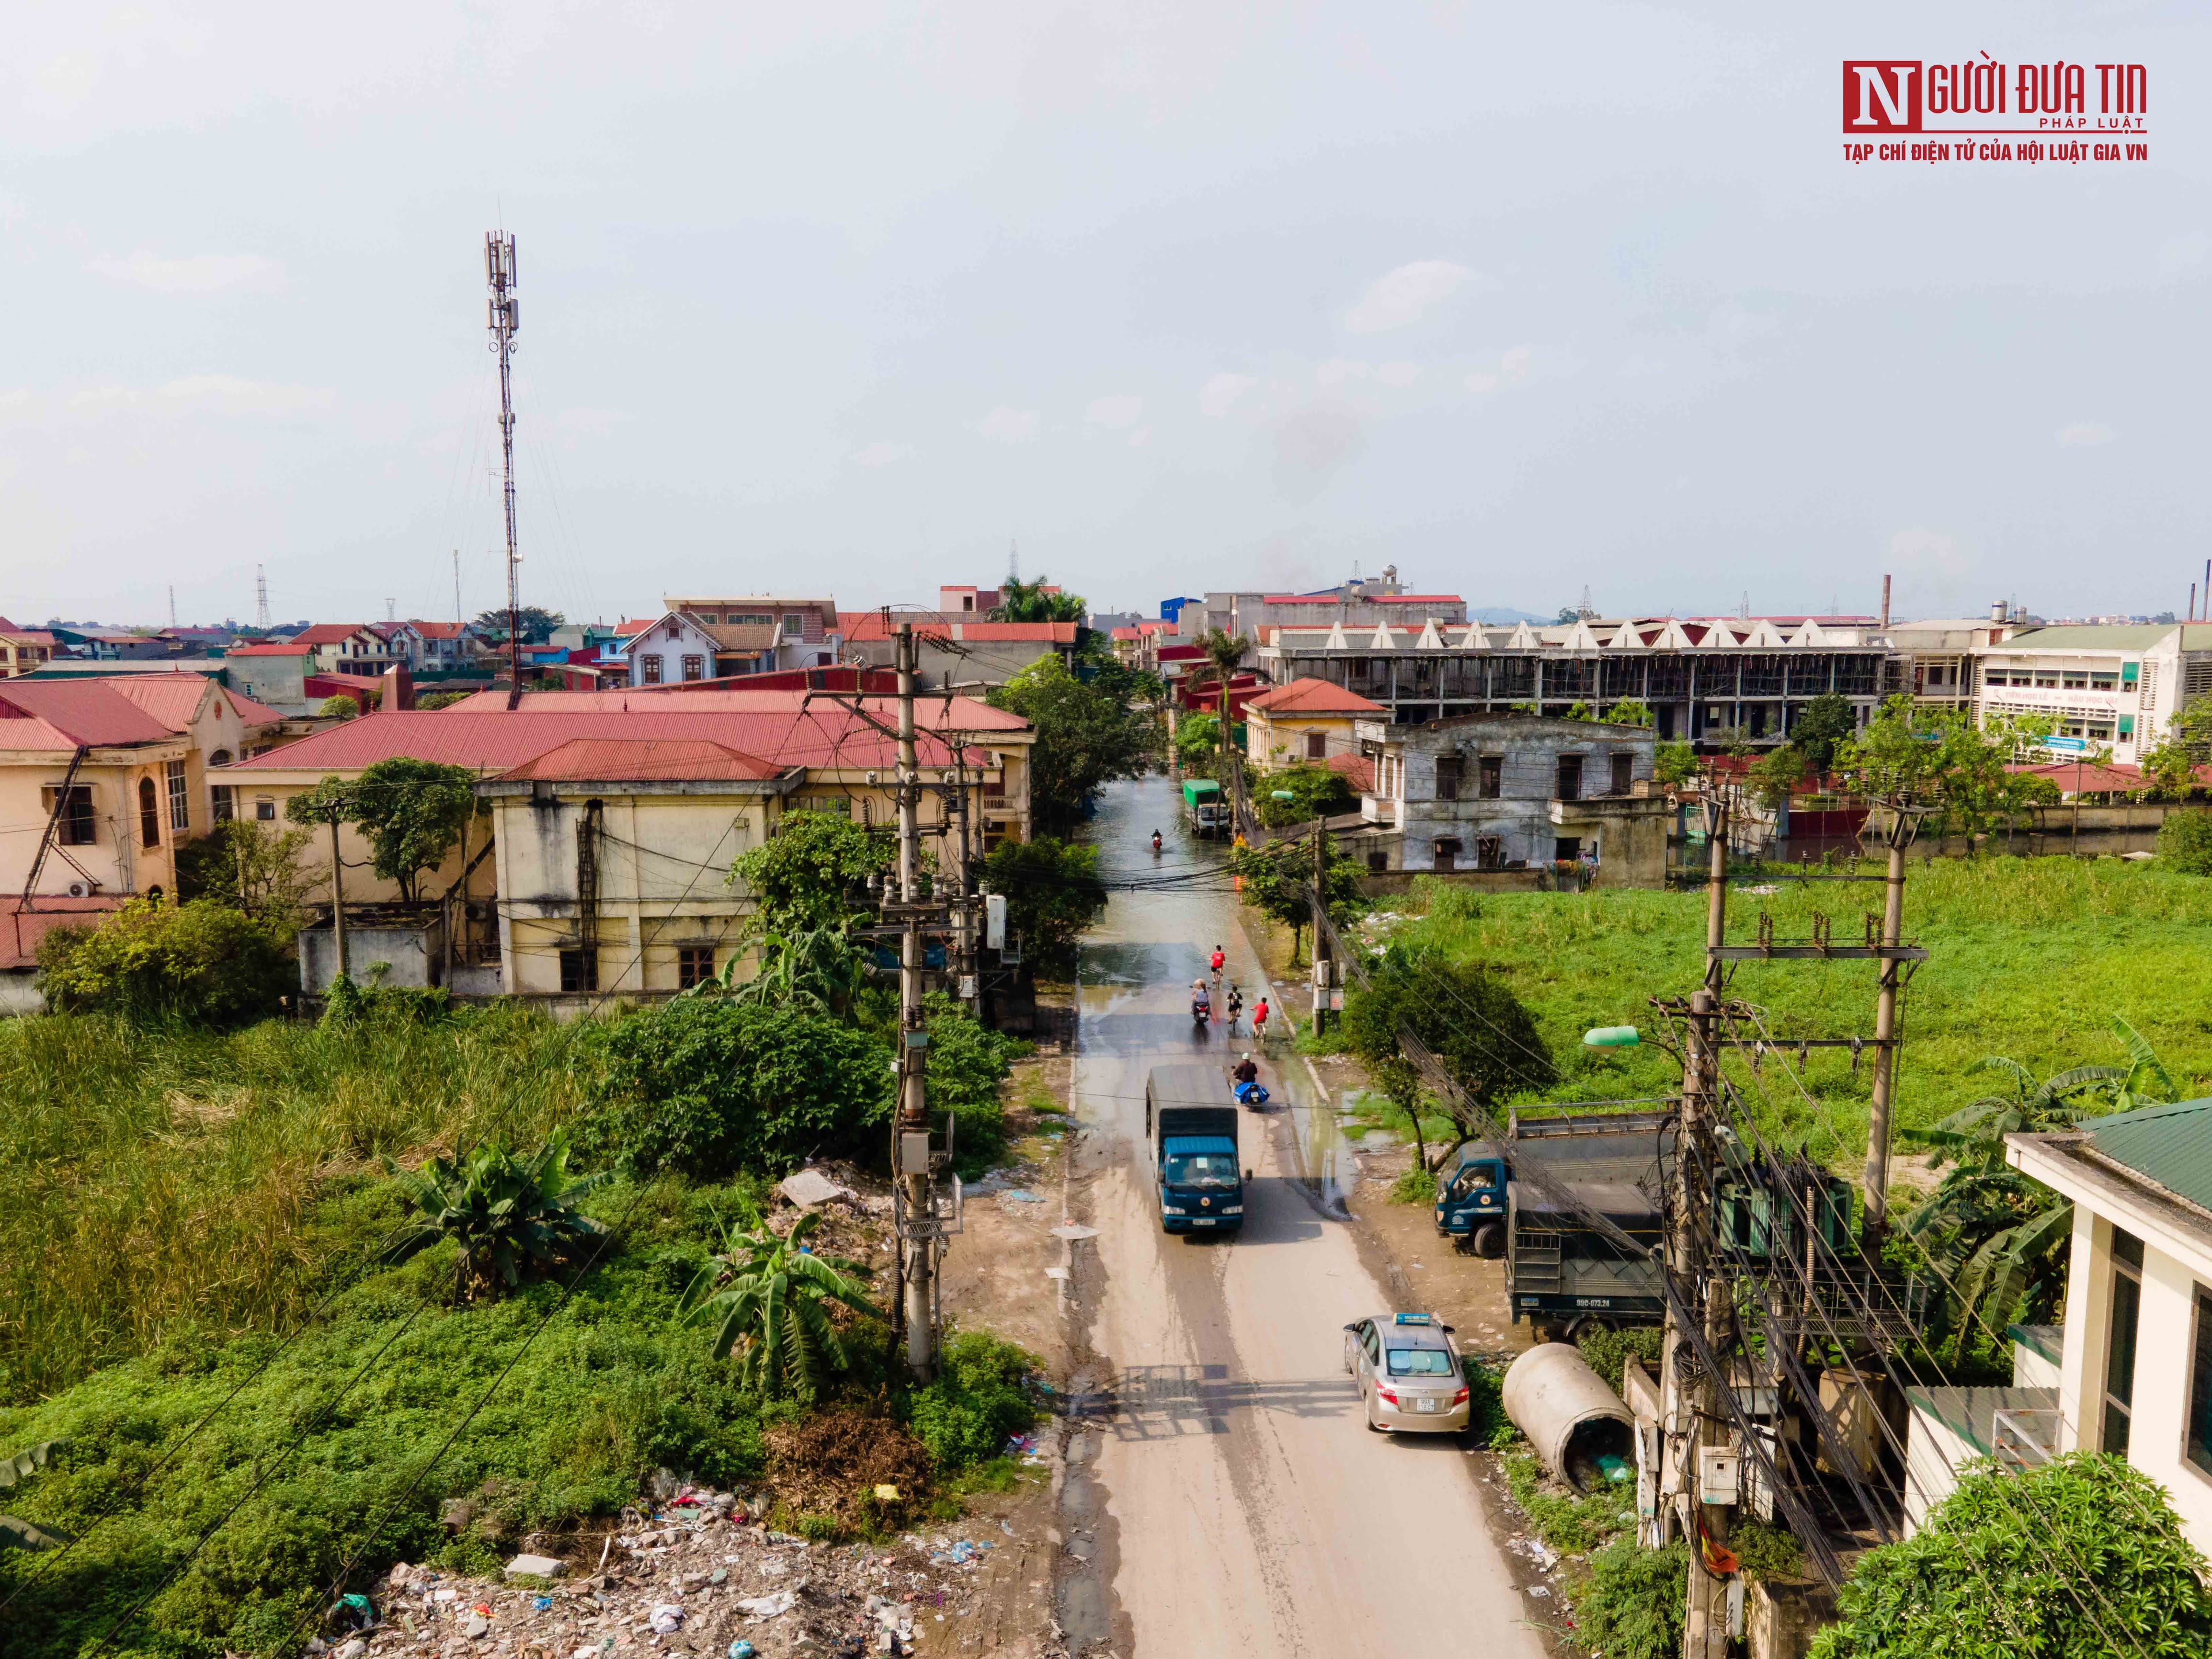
(1324, 965)
(337, 894)
(1881, 1100)
(172, 604)
(505, 318)
(912, 1166)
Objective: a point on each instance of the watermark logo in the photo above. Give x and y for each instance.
(1898, 109)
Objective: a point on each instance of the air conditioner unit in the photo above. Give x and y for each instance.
(78, 889)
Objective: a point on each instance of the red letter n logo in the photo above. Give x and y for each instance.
(1882, 96)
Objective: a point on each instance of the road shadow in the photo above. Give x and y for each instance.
(1160, 1402)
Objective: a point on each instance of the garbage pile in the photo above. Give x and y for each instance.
(700, 1575)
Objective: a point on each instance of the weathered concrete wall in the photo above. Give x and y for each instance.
(1781, 1615)
(416, 953)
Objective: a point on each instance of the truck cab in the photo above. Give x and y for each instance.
(1471, 1201)
(1191, 1125)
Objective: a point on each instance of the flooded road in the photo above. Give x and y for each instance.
(1231, 1500)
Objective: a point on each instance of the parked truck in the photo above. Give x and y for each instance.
(1191, 1126)
(1204, 811)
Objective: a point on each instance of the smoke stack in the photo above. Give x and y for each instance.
(1884, 601)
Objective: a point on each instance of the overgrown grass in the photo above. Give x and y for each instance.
(2026, 957)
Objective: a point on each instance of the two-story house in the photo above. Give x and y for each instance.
(22, 650)
(346, 648)
(429, 647)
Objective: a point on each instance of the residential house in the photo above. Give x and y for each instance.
(801, 633)
(1306, 722)
(275, 675)
(976, 603)
(1707, 680)
(23, 650)
(430, 647)
(2108, 687)
(346, 648)
(2129, 1372)
(1514, 792)
(1358, 602)
(951, 652)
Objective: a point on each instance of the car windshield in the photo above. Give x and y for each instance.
(1201, 1169)
(1475, 1177)
(1419, 1362)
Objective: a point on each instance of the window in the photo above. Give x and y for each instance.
(1565, 849)
(2107, 682)
(1317, 745)
(1490, 777)
(695, 668)
(695, 965)
(1623, 773)
(1377, 859)
(579, 970)
(675, 628)
(794, 626)
(1448, 777)
(2074, 679)
(149, 813)
(77, 825)
(650, 665)
(180, 810)
(2198, 1449)
(1570, 777)
(264, 809)
(221, 805)
(2120, 1342)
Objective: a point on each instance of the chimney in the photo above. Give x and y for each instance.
(1997, 611)
(398, 689)
(1884, 601)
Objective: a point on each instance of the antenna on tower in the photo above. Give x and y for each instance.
(261, 596)
(1744, 610)
(172, 604)
(505, 318)
(388, 616)
(1013, 561)
(1583, 609)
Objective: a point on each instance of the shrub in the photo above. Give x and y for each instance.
(1053, 894)
(196, 963)
(1608, 1351)
(1416, 1186)
(2185, 841)
(1631, 1603)
(2006, 1564)
(435, 700)
(710, 1086)
(977, 1400)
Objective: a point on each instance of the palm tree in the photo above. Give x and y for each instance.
(1020, 601)
(1998, 1237)
(1225, 650)
(504, 1212)
(765, 1296)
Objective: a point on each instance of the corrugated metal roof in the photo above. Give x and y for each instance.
(821, 736)
(626, 760)
(2169, 1145)
(269, 651)
(63, 714)
(930, 712)
(331, 633)
(1309, 696)
(2091, 636)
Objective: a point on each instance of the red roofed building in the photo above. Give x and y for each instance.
(955, 651)
(275, 675)
(347, 648)
(1308, 721)
(23, 650)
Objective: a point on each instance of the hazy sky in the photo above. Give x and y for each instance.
(846, 298)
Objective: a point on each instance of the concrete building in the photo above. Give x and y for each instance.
(274, 675)
(1699, 678)
(1933, 660)
(2107, 687)
(346, 648)
(708, 639)
(955, 599)
(954, 653)
(802, 633)
(1307, 722)
(1358, 602)
(431, 646)
(1514, 792)
(23, 650)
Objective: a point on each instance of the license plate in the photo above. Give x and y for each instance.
(1424, 1405)
(1203, 1220)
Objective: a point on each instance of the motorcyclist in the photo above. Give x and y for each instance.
(1248, 1069)
(1236, 1006)
(1156, 841)
(1200, 1007)
(1259, 1019)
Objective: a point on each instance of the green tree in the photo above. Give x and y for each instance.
(1631, 711)
(263, 871)
(1276, 879)
(813, 871)
(824, 969)
(1198, 742)
(1085, 740)
(1939, 759)
(1052, 896)
(1314, 792)
(969, 1065)
(1776, 773)
(765, 1298)
(1466, 1015)
(710, 1085)
(338, 706)
(2184, 841)
(196, 963)
(410, 812)
(505, 1213)
(1675, 763)
(430, 702)
(1225, 652)
(2007, 1564)
(1028, 602)
(535, 625)
(1824, 725)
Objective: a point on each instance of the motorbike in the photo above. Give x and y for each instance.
(1253, 1095)
(1201, 1015)
(1156, 843)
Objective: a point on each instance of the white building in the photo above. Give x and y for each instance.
(2110, 687)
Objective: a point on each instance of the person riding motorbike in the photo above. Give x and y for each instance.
(1259, 1019)
(1248, 1069)
(1156, 843)
(1201, 1008)
(1236, 1006)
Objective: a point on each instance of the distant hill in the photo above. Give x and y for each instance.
(1499, 613)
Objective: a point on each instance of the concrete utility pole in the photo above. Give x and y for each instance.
(338, 895)
(506, 320)
(1881, 1100)
(1323, 971)
(912, 1145)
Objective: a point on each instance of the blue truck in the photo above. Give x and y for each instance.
(1191, 1126)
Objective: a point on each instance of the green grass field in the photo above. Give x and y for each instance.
(2028, 958)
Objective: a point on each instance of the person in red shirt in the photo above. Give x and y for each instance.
(1259, 1019)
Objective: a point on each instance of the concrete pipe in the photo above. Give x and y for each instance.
(1581, 1430)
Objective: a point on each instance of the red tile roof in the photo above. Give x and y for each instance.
(1309, 695)
(1128, 634)
(173, 699)
(629, 759)
(437, 630)
(930, 712)
(1358, 771)
(289, 650)
(63, 713)
(858, 625)
(329, 632)
(496, 741)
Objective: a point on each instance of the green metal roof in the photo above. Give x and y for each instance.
(2169, 1145)
(2119, 637)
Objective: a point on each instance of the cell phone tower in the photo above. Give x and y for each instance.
(261, 596)
(506, 318)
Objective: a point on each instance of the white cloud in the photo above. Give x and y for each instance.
(1010, 426)
(883, 453)
(600, 423)
(2181, 253)
(212, 394)
(1400, 296)
(202, 273)
(1219, 395)
(1337, 370)
(1119, 411)
(1397, 374)
(1140, 437)
(2084, 435)
(1516, 363)
(1482, 383)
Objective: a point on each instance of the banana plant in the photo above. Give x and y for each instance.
(15, 1532)
(765, 1298)
(504, 1212)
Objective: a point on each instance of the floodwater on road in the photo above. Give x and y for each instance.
(1224, 1495)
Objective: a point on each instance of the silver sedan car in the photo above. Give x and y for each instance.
(1408, 1372)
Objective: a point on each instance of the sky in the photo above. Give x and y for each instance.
(858, 299)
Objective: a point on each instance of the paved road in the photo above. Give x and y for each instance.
(1234, 1503)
